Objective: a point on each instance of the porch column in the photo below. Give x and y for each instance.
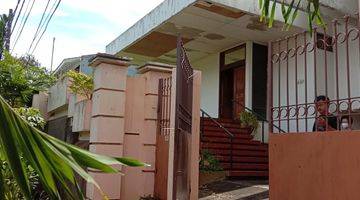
(249, 74)
(107, 120)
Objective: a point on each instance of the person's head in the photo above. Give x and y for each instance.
(322, 104)
(346, 119)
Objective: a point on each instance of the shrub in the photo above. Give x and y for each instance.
(32, 116)
(248, 119)
(209, 162)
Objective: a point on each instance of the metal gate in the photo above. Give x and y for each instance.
(183, 124)
(183, 128)
(162, 138)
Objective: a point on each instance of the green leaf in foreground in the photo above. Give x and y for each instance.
(55, 161)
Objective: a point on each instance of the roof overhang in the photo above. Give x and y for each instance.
(207, 27)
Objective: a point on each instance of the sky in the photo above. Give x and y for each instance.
(80, 26)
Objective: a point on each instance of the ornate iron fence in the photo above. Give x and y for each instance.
(314, 79)
(164, 106)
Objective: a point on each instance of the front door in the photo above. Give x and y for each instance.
(232, 82)
(239, 91)
(232, 92)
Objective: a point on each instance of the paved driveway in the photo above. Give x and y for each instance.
(235, 190)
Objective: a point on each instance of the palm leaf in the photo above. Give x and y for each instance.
(290, 13)
(272, 14)
(55, 161)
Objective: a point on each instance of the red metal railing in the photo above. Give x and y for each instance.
(305, 66)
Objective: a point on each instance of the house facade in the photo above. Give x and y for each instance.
(241, 65)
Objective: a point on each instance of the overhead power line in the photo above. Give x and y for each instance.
(22, 18)
(18, 15)
(22, 28)
(38, 27)
(46, 26)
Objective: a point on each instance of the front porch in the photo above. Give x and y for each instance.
(244, 67)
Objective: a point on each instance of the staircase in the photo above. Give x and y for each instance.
(250, 158)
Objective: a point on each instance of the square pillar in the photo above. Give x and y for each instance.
(152, 72)
(107, 120)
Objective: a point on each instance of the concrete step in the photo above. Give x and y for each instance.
(234, 146)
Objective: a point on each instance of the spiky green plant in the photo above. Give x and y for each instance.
(290, 12)
(55, 161)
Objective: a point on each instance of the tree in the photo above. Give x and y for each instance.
(3, 21)
(18, 83)
(55, 161)
(29, 60)
(290, 12)
(81, 84)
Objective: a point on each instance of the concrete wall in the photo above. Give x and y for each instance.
(84, 64)
(58, 95)
(81, 117)
(314, 166)
(40, 101)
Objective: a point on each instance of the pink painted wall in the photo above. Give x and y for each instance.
(124, 123)
(140, 131)
(315, 166)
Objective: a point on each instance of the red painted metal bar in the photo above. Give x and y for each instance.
(295, 82)
(305, 78)
(315, 72)
(270, 88)
(348, 64)
(287, 86)
(279, 86)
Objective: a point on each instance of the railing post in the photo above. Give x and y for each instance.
(262, 131)
(202, 125)
(231, 153)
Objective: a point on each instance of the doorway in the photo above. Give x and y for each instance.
(232, 82)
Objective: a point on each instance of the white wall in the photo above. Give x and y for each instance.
(248, 74)
(209, 67)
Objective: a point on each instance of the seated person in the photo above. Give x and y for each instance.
(325, 120)
(346, 123)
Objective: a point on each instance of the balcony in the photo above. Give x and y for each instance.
(58, 95)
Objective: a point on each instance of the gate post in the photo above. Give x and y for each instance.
(107, 120)
(195, 137)
(194, 149)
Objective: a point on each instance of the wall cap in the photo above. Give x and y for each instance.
(155, 66)
(108, 59)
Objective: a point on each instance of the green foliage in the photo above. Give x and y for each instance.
(11, 189)
(32, 116)
(209, 162)
(81, 84)
(248, 119)
(55, 161)
(18, 83)
(290, 12)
